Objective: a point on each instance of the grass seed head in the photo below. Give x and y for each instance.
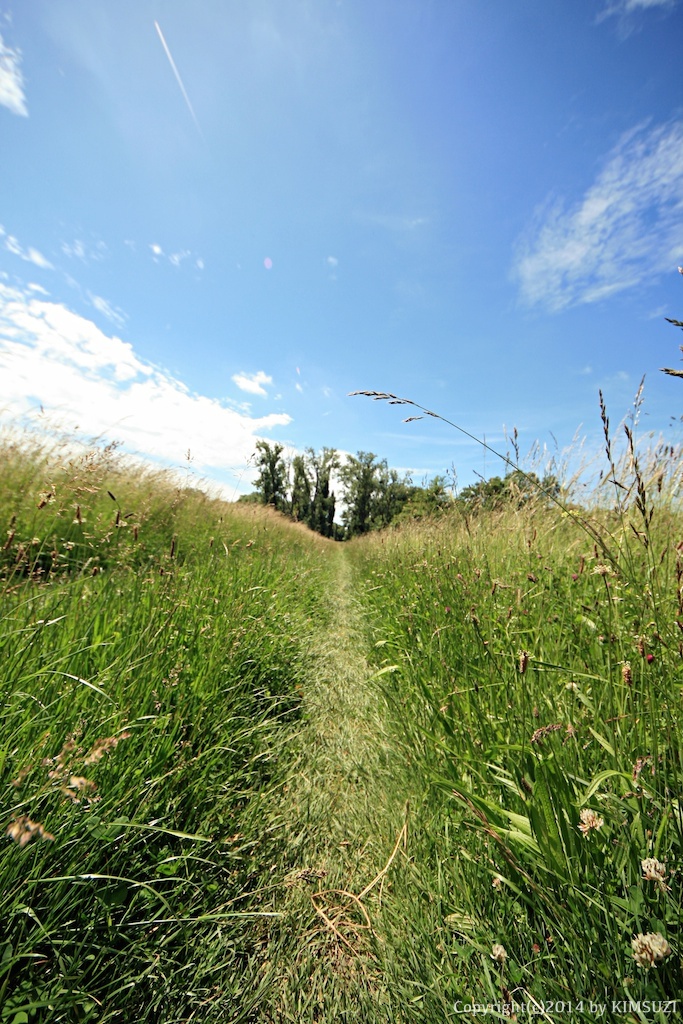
(22, 830)
(544, 731)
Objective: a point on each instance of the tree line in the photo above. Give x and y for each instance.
(373, 495)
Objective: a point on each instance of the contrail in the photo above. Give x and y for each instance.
(177, 76)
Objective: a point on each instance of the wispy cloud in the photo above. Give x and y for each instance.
(115, 316)
(30, 255)
(174, 258)
(626, 229)
(253, 382)
(393, 221)
(52, 356)
(12, 81)
(621, 7)
(85, 251)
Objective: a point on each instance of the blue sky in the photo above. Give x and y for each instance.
(218, 219)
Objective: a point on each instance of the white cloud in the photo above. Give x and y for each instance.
(30, 255)
(625, 230)
(52, 356)
(393, 221)
(177, 258)
(174, 258)
(85, 252)
(76, 248)
(332, 261)
(253, 382)
(12, 81)
(116, 316)
(630, 6)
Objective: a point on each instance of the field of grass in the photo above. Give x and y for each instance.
(253, 775)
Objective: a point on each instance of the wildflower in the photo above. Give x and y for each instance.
(589, 820)
(22, 830)
(573, 687)
(654, 871)
(603, 570)
(649, 948)
(649, 658)
(523, 662)
(626, 673)
(498, 953)
(497, 882)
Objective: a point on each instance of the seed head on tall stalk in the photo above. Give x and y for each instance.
(588, 527)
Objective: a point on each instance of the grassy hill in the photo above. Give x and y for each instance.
(249, 774)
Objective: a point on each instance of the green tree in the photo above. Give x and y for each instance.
(427, 501)
(516, 489)
(301, 500)
(392, 493)
(323, 503)
(359, 475)
(271, 483)
(485, 494)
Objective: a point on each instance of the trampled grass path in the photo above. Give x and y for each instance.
(343, 819)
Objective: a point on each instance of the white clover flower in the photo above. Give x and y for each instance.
(655, 871)
(647, 949)
(589, 820)
(498, 953)
(603, 570)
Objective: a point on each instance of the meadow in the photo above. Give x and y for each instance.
(251, 774)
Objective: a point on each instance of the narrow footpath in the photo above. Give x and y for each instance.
(343, 817)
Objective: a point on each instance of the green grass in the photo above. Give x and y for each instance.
(251, 775)
(144, 709)
(530, 681)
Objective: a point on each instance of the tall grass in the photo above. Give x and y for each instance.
(532, 657)
(149, 673)
(199, 825)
